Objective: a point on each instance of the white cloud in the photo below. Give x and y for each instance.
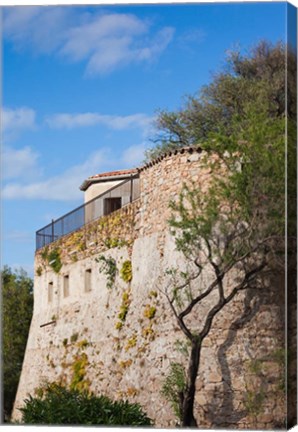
(157, 46)
(19, 163)
(61, 187)
(16, 119)
(134, 155)
(41, 29)
(104, 41)
(85, 39)
(69, 121)
(65, 186)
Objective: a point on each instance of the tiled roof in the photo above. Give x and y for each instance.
(111, 175)
(114, 173)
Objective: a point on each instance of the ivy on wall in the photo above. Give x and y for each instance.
(52, 258)
(112, 231)
(108, 267)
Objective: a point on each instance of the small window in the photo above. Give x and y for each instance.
(111, 204)
(88, 280)
(50, 292)
(66, 286)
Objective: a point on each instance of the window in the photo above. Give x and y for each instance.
(111, 204)
(88, 280)
(66, 286)
(50, 292)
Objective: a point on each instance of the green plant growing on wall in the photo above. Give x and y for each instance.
(254, 394)
(123, 312)
(148, 332)
(174, 387)
(125, 363)
(112, 242)
(254, 401)
(44, 253)
(82, 246)
(149, 312)
(282, 357)
(54, 260)
(74, 257)
(74, 337)
(131, 342)
(182, 347)
(118, 325)
(39, 271)
(123, 309)
(256, 390)
(79, 366)
(83, 344)
(126, 271)
(109, 268)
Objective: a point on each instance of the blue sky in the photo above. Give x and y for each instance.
(81, 88)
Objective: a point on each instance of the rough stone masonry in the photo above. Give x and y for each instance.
(123, 337)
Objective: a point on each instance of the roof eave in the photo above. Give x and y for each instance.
(86, 183)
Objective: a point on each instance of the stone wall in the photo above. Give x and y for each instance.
(161, 182)
(125, 335)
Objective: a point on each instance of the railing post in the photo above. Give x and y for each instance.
(53, 238)
(70, 221)
(131, 187)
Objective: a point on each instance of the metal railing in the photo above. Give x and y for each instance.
(123, 193)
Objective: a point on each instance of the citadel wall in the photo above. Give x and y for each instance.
(122, 338)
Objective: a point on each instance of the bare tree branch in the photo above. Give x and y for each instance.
(244, 284)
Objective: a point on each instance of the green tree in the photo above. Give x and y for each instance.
(17, 306)
(55, 404)
(258, 76)
(232, 235)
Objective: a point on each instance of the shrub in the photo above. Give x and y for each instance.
(55, 404)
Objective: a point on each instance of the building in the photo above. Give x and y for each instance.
(100, 278)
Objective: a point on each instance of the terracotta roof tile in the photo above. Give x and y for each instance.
(111, 175)
(114, 173)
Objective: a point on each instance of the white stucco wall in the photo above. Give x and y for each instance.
(96, 189)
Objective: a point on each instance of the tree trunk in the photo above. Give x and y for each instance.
(188, 418)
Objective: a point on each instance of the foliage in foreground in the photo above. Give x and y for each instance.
(56, 405)
(17, 307)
